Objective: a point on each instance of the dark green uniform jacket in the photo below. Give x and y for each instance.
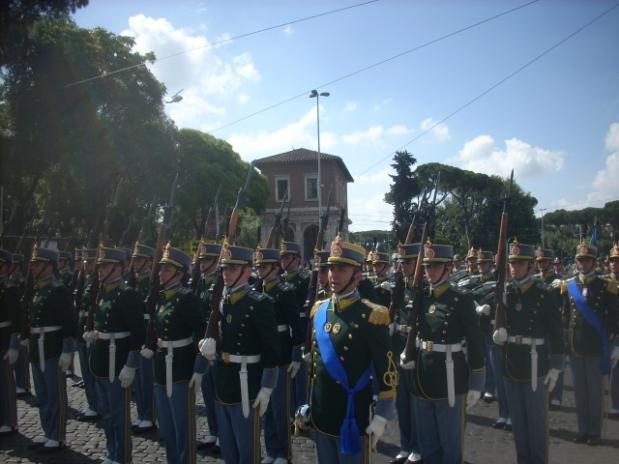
(52, 305)
(366, 290)
(359, 333)
(178, 316)
(82, 311)
(383, 295)
(9, 312)
(248, 327)
(204, 294)
(447, 317)
(120, 309)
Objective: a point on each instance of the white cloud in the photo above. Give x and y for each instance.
(606, 184)
(483, 155)
(439, 131)
(288, 30)
(369, 212)
(350, 106)
(376, 178)
(399, 129)
(373, 134)
(242, 98)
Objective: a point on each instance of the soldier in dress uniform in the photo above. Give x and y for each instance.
(557, 265)
(10, 325)
(179, 367)
(321, 260)
(471, 262)
(410, 447)
(52, 343)
(246, 361)
(142, 257)
(350, 344)
(21, 367)
(366, 284)
(593, 323)
(117, 337)
(277, 428)
(532, 351)
(89, 257)
(382, 286)
(442, 374)
(208, 257)
(613, 263)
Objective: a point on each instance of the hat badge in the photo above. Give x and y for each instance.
(258, 256)
(336, 250)
(583, 250)
(515, 250)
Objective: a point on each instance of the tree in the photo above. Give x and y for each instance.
(403, 192)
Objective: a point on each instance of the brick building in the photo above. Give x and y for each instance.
(296, 172)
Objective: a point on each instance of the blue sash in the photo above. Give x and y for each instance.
(588, 315)
(350, 441)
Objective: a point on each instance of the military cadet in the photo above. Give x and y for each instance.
(141, 264)
(246, 359)
(382, 286)
(613, 263)
(593, 322)
(350, 344)
(366, 284)
(321, 260)
(10, 325)
(117, 337)
(21, 368)
(89, 257)
(52, 328)
(277, 429)
(533, 322)
(208, 257)
(442, 374)
(410, 447)
(179, 367)
(557, 265)
(471, 262)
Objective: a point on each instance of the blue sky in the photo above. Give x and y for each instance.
(556, 123)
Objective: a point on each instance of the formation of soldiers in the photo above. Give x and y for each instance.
(377, 345)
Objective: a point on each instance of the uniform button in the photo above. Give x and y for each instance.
(242, 325)
(342, 358)
(345, 348)
(363, 315)
(350, 336)
(444, 331)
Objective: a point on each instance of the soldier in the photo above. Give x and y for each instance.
(246, 362)
(613, 262)
(350, 344)
(178, 365)
(442, 373)
(208, 256)
(277, 438)
(21, 367)
(593, 322)
(52, 329)
(10, 324)
(382, 287)
(65, 268)
(557, 265)
(89, 256)
(366, 284)
(471, 262)
(117, 337)
(533, 322)
(141, 264)
(321, 260)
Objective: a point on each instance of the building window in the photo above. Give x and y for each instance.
(311, 187)
(281, 188)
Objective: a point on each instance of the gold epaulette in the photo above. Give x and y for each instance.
(379, 314)
(314, 308)
(612, 286)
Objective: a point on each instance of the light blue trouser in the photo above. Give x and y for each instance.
(8, 400)
(490, 386)
(239, 437)
(116, 413)
(588, 392)
(87, 376)
(143, 388)
(496, 352)
(276, 420)
(405, 405)
(22, 369)
(528, 413)
(51, 390)
(441, 434)
(208, 394)
(328, 450)
(299, 390)
(177, 422)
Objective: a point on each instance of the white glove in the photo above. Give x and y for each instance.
(472, 397)
(147, 353)
(375, 429)
(65, 361)
(208, 348)
(262, 400)
(391, 329)
(25, 342)
(483, 309)
(614, 355)
(406, 365)
(196, 380)
(386, 285)
(293, 368)
(307, 357)
(556, 283)
(551, 379)
(126, 376)
(89, 336)
(11, 356)
(499, 336)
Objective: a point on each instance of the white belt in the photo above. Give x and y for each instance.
(243, 361)
(41, 331)
(4, 324)
(238, 359)
(174, 343)
(112, 337)
(520, 340)
(283, 328)
(534, 343)
(439, 348)
(449, 364)
(146, 317)
(403, 328)
(303, 315)
(169, 358)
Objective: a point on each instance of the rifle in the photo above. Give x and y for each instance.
(212, 328)
(154, 285)
(284, 229)
(132, 280)
(95, 287)
(312, 289)
(276, 231)
(410, 348)
(501, 258)
(206, 234)
(340, 223)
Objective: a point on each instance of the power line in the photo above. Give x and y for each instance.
(494, 86)
(374, 65)
(222, 41)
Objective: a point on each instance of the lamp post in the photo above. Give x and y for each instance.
(315, 94)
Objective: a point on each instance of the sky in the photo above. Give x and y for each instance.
(556, 122)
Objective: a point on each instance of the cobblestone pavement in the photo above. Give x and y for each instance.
(483, 444)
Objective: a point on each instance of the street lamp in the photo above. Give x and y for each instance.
(315, 94)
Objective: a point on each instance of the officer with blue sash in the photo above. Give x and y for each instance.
(350, 344)
(593, 324)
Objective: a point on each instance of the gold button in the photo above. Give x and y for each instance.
(341, 358)
(345, 348)
(350, 336)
